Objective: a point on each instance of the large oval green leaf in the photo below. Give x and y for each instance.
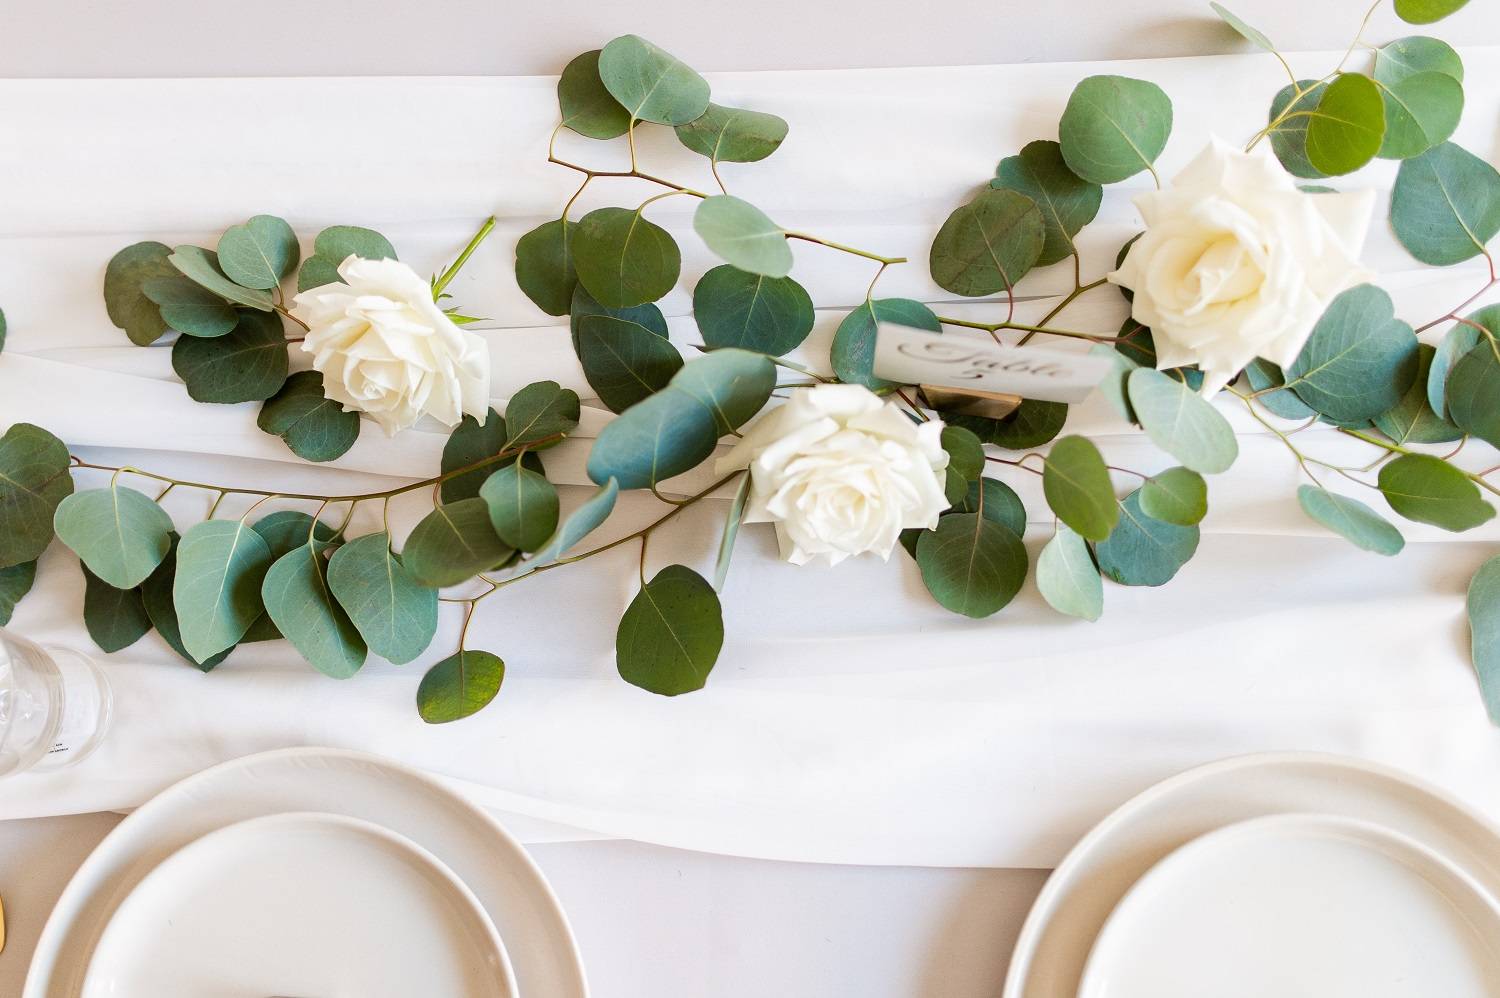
(743, 235)
(650, 83)
(453, 543)
(1359, 360)
(124, 290)
(315, 427)
(470, 443)
(541, 413)
(1459, 340)
(248, 365)
(1420, 112)
(677, 428)
(1177, 495)
(733, 135)
(671, 634)
(216, 592)
(1483, 608)
(1430, 490)
(544, 266)
(989, 244)
(1181, 422)
(1473, 391)
(624, 259)
(114, 618)
(1033, 423)
(1405, 57)
(336, 244)
(1412, 420)
(1351, 519)
(1291, 111)
(1114, 127)
(189, 307)
(735, 308)
(1142, 550)
(522, 507)
(971, 564)
(1445, 205)
(624, 361)
(587, 106)
(1067, 577)
(34, 478)
(260, 253)
(1077, 486)
(396, 615)
(156, 595)
(1346, 129)
(203, 266)
(1426, 11)
(298, 600)
(575, 527)
(119, 533)
(1067, 201)
(584, 305)
(853, 350)
(460, 685)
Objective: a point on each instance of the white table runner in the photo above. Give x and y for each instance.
(849, 718)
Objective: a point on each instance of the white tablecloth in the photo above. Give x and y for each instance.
(849, 720)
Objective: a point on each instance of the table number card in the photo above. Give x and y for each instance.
(915, 357)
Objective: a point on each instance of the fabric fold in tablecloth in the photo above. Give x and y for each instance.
(849, 719)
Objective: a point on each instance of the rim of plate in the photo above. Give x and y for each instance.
(1367, 832)
(43, 966)
(1037, 918)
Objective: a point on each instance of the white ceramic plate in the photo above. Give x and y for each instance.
(300, 904)
(466, 839)
(1299, 904)
(1050, 953)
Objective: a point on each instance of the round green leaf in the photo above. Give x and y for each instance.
(119, 533)
(989, 244)
(1142, 550)
(1177, 495)
(248, 365)
(1244, 29)
(676, 429)
(460, 685)
(115, 618)
(1067, 202)
(124, 294)
(1136, 342)
(316, 428)
(1000, 504)
(288, 529)
(965, 457)
(624, 259)
(1347, 127)
(156, 594)
(853, 350)
(735, 308)
(624, 361)
(34, 478)
(1032, 424)
(1264, 375)
(1297, 102)
(469, 443)
(971, 564)
(522, 506)
(733, 135)
(1412, 421)
(584, 305)
(1404, 57)
(15, 582)
(1351, 519)
(1067, 577)
(454, 542)
(742, 234)
(1430, 490)
(1114, 127)
(189, 308)
(1182, 422)
(1359, 360)
(575, 527)
(299, 602)
(650, 83)
(540, 413)
(336, 244)
(1445, 205)
(216, 590)
(670, 635)
(1420, 112)
(202, 266)
(1077, 486)
(1483, 609)
(544, 267)
(396, 615)
(259, 253)
(1458, 341)
(587, 106)
(1426, 11)
(1473, 390)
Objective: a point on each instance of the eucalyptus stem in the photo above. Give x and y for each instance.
(885, 260)
(463, 258)
(1395, 448)
(1070, 298)
(1453, 313)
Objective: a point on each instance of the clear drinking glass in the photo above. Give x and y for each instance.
(54, 706)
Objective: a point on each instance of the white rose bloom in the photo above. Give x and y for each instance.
(1238, 263)
(385, 348)
(840, 472)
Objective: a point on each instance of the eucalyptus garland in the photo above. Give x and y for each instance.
(497, 519)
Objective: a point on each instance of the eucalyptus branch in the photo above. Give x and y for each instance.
(1453, 316)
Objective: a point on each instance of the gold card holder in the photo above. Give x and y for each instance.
(969, 401)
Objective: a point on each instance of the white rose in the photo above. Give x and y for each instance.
(840, 472)
(1238, 263)
(385, 348)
